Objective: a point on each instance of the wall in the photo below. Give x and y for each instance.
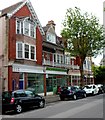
(38, 47)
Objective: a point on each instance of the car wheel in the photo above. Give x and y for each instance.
(93, 93)
(84, 95)
(74, 97)
(41, 104)
(18, 108)
(61, 98)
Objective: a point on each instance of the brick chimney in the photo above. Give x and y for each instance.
(51, 22)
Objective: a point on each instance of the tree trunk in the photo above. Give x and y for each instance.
(81, 73)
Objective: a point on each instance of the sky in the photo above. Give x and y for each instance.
(56, 10)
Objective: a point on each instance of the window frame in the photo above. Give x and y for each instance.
(51, 38)
(22, 27)
(23, 51)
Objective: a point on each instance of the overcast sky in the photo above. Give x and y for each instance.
(56, 9)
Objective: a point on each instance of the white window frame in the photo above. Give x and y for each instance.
(34, 52)
(51, 38)
(18, 50)
(23, 51)
(26, 51)
(19, 26)
(24, 26)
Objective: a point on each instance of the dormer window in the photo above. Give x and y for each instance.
(51, 38)
(26, 27)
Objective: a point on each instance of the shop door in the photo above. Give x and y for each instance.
(20, 84)
(13, 85)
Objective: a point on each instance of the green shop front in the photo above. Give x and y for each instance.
(55, 77)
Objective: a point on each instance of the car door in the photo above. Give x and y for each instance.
(78, 92)
(30, 97)
(37, 99)
(22, 98)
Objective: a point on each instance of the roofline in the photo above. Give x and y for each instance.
(32, 12)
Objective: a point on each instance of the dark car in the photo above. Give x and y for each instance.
(73, 92)
(103, 88)
(100, 87)
(21, 99)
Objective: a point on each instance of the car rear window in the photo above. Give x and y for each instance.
(6, 94)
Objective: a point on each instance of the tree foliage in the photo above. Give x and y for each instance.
(99, 74)
(83, 33)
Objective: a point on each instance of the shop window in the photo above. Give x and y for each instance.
(35, 81)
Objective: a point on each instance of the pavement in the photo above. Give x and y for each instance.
(52, 98)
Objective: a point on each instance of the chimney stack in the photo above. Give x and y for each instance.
(51, 22)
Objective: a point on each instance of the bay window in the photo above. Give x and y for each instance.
(26, 27)
(25, 51)
(32, 30)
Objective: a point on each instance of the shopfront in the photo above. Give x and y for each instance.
(55, 77)
(35, 81)
(24, 76)
(55, 81)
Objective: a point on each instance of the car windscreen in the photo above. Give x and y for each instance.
(88, 87)
(29, 93)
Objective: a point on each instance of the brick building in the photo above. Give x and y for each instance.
(20, 39)
(34, 56)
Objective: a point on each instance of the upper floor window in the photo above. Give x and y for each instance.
(25, 51)
(18, 27)
(19, 50)
(32, 31)
(32, 52)
(26, 27)
(67, 60)
(51, 38)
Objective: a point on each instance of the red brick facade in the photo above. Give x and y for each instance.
(12, 38)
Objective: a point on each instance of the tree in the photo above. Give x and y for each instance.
(99, 74)
(84, 35)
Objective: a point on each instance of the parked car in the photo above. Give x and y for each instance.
(20, 99)
(73, 92)
(91, 89)
(101, 90)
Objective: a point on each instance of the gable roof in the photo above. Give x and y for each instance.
(11, 10)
